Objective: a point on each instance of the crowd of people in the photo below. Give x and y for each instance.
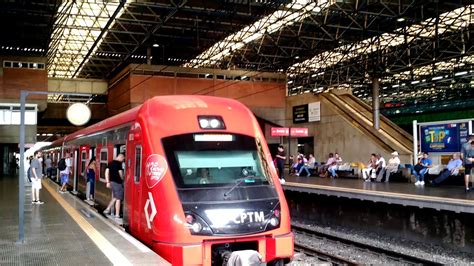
(377, 169)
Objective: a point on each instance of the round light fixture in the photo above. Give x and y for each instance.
(78, 114)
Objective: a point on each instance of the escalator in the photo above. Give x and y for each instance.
(390, 137)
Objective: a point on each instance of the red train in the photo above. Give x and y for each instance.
(169, 142)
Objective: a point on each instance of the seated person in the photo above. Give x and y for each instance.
(325, 168)
(452, 168)
(305, 167)
(338, 161)
(369, 170)
(421, 169)
(203, 176)
(392, 167)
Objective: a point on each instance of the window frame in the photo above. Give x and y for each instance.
(106, 162)
(137, 171)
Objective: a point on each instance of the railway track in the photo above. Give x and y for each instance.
(322, 256)
(392, 255)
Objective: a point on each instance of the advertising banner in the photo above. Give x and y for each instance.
(443, 138)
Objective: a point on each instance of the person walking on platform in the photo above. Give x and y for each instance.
(451, 169)
(467, 153)
(36, 168)
(421, 169)
(392, 167)
(281, 159)
(114, 177)
(65, 169)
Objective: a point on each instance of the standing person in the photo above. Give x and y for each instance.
(422, 168)
(65, 169)
(47, 164)
(114, 177)
(467, 152)
(281, 159)
(36, 174)
(91, 167)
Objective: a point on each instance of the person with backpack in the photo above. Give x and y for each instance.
(65, 169)
(36, 174)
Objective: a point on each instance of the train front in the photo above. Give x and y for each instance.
(229, 202)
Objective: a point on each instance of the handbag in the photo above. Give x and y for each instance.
(418, 168)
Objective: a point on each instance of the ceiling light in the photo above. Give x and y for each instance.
(400, 19)
(156, 45)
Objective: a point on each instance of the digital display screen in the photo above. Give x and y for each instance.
(443, 138)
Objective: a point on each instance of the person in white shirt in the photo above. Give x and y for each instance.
(64, 174)
(392, 167)
(380, 165)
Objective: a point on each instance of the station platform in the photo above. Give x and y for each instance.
(63, 231)
(449, 198)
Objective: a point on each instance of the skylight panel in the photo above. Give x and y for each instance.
(449, 21)
(294, 12)
(77, 28)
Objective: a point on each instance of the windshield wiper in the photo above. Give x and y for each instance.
(239, 181)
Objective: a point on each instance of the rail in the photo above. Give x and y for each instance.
(400, 257)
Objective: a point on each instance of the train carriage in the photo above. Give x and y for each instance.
(199, 179)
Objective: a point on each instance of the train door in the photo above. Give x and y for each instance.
(84, 158)
(75, 164)
(133, 186)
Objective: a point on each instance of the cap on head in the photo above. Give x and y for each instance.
(395, 153)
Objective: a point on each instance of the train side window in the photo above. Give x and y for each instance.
(83, 161)
(138, 163)
(103, 163)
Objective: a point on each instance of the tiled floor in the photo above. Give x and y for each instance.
(53, 237)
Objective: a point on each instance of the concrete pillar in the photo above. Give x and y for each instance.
(376, 102)
(148, 55)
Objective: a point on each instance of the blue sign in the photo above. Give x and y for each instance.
(443, 138)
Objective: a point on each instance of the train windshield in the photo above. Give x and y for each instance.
(216, 160)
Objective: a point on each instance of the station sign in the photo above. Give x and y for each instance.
(285, 132)
(280, 132)
(300, 114)
(299, 132)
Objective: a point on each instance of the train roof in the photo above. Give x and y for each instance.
(176, 102)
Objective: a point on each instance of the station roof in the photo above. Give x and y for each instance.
(422, 51)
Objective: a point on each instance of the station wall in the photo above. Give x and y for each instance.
(333, 133)
(265, 99)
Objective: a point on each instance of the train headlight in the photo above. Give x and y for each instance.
(274, 221)
(203, 123)
(196, 227)
(215, 123)
(211, 122)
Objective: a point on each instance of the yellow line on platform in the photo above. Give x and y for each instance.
(111, 252)
(382, 193)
